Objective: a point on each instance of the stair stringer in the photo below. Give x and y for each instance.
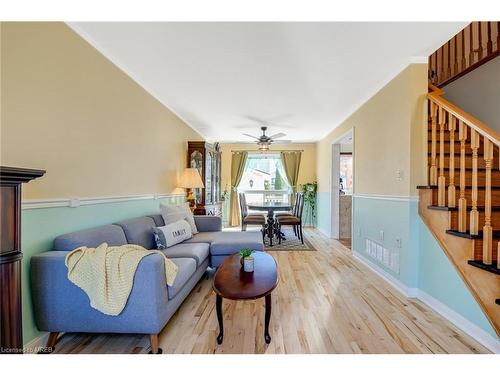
(484, 286)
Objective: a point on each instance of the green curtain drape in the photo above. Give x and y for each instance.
(238, 162)
(291, 164)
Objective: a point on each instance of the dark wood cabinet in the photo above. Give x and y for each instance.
(11, 333)
(206, 157)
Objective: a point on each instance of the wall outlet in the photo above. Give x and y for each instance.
(398, 243)
(381, 235)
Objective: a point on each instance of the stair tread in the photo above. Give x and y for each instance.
(487, 267)
(480, 155)
(445, 208)
(457, 169)
(496, 234)
(458, 187)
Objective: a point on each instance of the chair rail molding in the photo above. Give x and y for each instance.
(387, 197)
(29, 204)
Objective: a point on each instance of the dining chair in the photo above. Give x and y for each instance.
(294, 220)
(293, 212)
(250, 219)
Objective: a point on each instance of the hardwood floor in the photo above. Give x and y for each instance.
(326, 302)
(346, 242)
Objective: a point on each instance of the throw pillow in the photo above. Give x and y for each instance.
(172, 234)
(172, 213)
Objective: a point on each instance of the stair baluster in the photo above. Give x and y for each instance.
(480, 268)
(487, 229)
(451, 187)
(441, 178)
(474, 214)
(433, 169)
(462, 202)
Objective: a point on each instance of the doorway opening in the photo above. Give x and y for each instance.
(342, 188)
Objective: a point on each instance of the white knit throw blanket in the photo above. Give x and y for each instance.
(106, 273)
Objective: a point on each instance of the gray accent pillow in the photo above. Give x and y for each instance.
(173, 213)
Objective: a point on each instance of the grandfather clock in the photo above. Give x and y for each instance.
(206, 157)
(11, 333)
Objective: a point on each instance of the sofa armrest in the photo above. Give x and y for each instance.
(206, 223)
(61, 306)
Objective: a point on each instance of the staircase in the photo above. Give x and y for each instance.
(461, 204)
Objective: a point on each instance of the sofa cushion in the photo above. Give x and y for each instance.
(198, 251)
(158, 220)
(204, 237)
(227, 243)
(187, 267)
(113, 235)
(206, 223)
(139, 231)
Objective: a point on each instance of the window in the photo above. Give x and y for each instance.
(346, 173)
(264, 179)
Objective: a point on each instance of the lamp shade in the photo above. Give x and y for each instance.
(191, 179)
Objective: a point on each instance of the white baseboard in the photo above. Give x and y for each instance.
(323, 232)
(402, 288)
(480, 335)
(477, 333)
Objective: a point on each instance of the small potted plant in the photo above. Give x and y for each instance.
(246, 259)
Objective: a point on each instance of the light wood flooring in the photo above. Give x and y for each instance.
(326, 302)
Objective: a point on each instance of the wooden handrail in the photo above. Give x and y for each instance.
(435, 96)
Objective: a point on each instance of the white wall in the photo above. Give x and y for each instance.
(478, 93)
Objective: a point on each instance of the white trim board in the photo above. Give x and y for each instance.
(477, 333)
(399, 198)
(29, 204)
(402, 288)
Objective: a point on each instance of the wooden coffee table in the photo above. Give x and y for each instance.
(231, 282)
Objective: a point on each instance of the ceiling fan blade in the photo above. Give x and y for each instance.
(277, 135)
(283, 141)
(251, 136)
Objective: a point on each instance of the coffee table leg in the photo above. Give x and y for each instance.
(267, 337)
(218, 306)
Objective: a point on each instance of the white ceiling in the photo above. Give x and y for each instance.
(303, 79)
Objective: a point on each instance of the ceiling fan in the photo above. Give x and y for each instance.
(264, 141)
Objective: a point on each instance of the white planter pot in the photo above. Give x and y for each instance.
(248, 263)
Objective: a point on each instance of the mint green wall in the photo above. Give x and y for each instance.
(323, 216)
(393, 218)
(438, 278)
(423, 264)
(42, 225)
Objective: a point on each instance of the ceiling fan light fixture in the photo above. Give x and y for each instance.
(264, 147)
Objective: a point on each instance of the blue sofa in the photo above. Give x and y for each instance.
(61, 306)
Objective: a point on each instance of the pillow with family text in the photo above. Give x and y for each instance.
(172, 234)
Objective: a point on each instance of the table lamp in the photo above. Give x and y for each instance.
(191, 179)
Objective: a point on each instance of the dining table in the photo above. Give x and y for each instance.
(271, 208)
